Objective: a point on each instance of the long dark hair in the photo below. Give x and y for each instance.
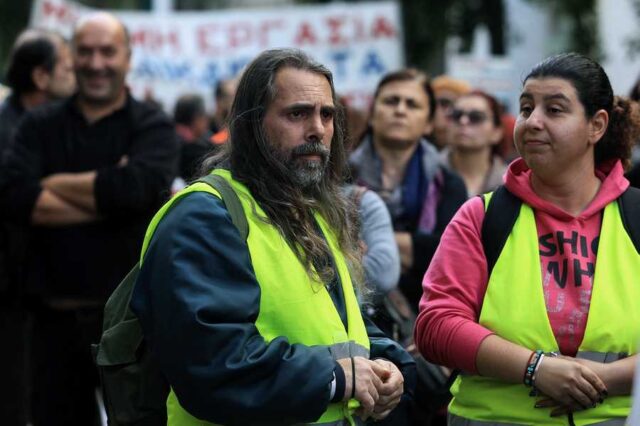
(595, 93)
(252, 161)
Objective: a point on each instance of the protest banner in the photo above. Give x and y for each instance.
(182, 52)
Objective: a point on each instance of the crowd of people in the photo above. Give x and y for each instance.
(438, 262)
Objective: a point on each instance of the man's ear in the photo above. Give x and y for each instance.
(40, 78)
(598, 126)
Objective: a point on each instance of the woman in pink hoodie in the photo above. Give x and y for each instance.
(549, 333)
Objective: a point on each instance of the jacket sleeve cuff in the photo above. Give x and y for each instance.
(469, 337)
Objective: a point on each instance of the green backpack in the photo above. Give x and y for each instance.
(134, 389)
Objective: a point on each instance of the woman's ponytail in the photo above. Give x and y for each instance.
(622, 133)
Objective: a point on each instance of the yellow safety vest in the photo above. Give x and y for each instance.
(291, 303)
(514, 308)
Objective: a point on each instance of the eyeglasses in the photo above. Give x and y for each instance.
(475, 117)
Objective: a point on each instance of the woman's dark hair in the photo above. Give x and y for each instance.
(595, 93)
(410, 74)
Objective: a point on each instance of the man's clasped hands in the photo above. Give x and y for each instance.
(379, 385)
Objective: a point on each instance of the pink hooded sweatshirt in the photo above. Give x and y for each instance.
(447, 330)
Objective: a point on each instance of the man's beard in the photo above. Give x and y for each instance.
(304, 172)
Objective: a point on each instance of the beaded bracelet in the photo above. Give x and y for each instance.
(531, 368)
(533, 353)
(534, 390)
(535, 372)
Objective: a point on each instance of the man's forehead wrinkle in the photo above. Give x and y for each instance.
(97, 44)
(303, 94)
(101, 34)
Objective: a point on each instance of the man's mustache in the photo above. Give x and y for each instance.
(92, 73)
(311, 148)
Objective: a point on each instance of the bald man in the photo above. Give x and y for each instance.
(102, 55)
(86, 175)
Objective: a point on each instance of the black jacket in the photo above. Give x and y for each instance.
(87, 261)
(12, 237)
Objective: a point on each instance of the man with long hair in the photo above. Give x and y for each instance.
(268, 330)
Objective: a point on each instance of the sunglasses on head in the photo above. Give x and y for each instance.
(474, 116)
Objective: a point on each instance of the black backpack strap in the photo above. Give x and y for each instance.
(629, 203)
(230, 200)
(500, 216)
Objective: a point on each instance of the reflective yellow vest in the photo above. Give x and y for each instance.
(514, 308)
(291, 303)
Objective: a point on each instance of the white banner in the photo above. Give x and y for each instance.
(495, 75)
(189, 51)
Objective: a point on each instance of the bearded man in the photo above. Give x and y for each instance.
(268, 330)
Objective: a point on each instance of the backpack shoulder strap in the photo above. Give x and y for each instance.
(500, 216)
(117, 306)
(629, 203)
(230, 200)
(117, 312)
(503, 208)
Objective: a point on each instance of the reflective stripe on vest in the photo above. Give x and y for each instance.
(292, 304)
(453, 420)
(514, 308)
(347, 350)
(177, 416)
